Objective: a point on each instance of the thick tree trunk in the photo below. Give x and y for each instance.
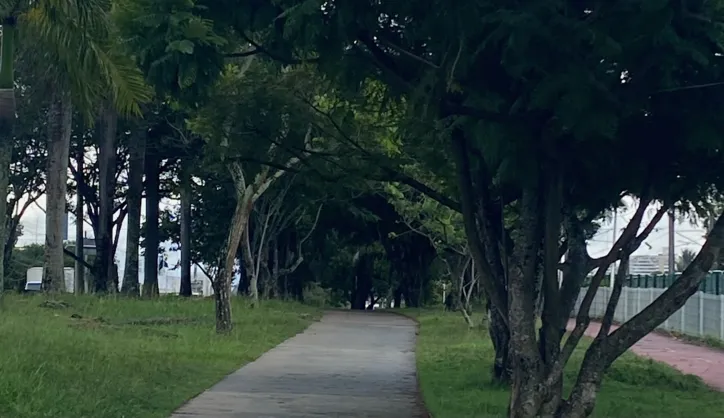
(79, 280)
(185, 289)
(137, 152)
(60, 115)
(525, 395)
(107, 163)
(222, 304)
(150, 260)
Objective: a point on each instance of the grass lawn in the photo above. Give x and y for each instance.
(123, 358)
(454, 365)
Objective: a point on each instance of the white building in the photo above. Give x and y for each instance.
(648, 264)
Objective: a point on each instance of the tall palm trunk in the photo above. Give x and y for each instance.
(60, 115)
(79, 282)
(107, 163)
(137, 149)
(150, 261)
(7, 122)
(185, 289)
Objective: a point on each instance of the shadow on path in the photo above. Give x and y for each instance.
(707, 363)
(350, 364)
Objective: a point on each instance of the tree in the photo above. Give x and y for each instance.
(685, 259)
(526, 104)
(61, 32)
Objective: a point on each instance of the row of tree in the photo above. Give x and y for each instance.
(374, 147)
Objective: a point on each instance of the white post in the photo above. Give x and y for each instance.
(721, 316)
(624, 293)
(613, 242)
(638, 301)
(683, 319)
(702, 300)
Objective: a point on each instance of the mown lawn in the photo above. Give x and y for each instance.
(454, 366)
(125, 358)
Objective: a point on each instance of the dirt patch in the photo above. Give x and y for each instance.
(159, 321)
(55, 304)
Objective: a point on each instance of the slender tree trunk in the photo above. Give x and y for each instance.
(60, 115)
(79, 282)
(150, 273)
(238, 226)
(7, 123)
(185, 289)
(137, 152)
(107, 163)
(6, 151)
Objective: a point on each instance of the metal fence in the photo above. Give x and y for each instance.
(713, 284)
(702, 315)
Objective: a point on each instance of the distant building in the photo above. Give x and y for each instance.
(648, 264)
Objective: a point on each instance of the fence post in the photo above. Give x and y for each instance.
(683, 319)
(625, 303)
(701, 312)
(721, 316)
(638, 302)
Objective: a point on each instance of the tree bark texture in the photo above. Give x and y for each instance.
(239, 223)
(150, 260)
(107, 164)
(6, 151)
(79, 280)
(137, 150)
(185, 288)
(60, 114)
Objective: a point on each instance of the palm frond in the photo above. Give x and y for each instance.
(77, 41)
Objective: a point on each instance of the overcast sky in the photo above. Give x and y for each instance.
(687, 235)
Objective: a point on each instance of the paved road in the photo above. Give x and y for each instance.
(707, 363)
(350, 364)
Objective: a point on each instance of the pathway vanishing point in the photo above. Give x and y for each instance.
(350, 364)
(707, 363)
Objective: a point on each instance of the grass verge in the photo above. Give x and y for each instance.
(93, 357)
(454, 365)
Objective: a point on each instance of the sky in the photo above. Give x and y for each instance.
(687, 235)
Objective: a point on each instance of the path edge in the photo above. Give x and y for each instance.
(420, 398)
(186, 402)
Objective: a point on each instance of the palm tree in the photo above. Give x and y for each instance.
(684, 259)
(73, 39)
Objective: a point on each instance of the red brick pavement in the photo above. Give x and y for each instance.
(707, 363)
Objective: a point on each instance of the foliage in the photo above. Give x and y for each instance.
(450, 357)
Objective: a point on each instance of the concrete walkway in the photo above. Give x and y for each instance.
(707, 363)
(350, 364)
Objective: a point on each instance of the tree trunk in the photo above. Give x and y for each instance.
(6, 151)
(185, 289)
(79, 280)
(500, 336)
(222, 303)
(60, 115)
(7, 123)
(150, 260)
(107, 163)
(238, 226)
(137, 152)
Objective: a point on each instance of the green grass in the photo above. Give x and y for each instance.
(454, 365)
(106, 364)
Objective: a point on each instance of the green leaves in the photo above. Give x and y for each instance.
(179, 51)
(75, 41)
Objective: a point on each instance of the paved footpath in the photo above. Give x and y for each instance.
(707, 363)
(350, 364)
